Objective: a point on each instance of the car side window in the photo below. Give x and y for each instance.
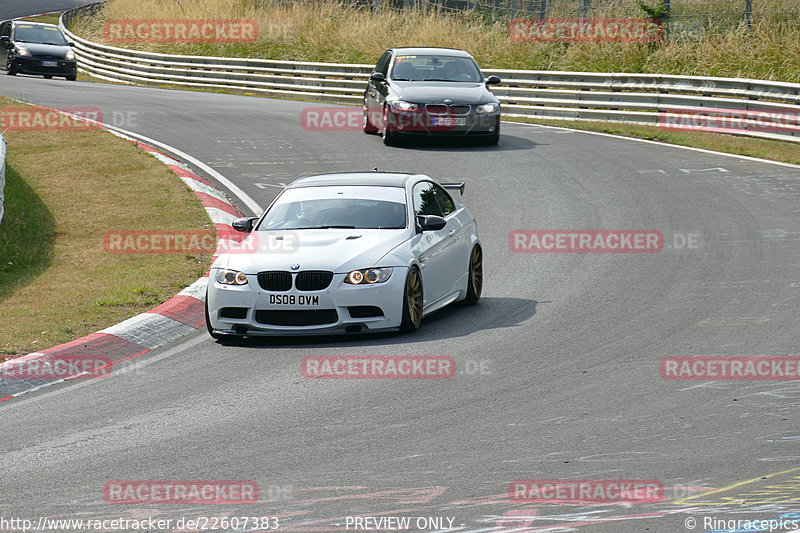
(446, 203)
(6, 29)
(425, 202)
(383, 63)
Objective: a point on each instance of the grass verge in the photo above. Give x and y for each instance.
(64, 191)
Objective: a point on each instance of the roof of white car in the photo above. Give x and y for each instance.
(370, 179)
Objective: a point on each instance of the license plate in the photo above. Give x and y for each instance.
(448, 121)
(294, 299)
(49, 63)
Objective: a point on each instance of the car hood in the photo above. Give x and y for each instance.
(39, 49)
(337, 250)
(431, 92)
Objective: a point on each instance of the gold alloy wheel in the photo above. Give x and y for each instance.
(476, 270)
(414, 297)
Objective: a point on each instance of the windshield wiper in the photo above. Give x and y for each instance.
(435, 79)
(327, 226)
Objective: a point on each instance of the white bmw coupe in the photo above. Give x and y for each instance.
(344, 253)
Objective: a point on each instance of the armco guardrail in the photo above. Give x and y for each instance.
(748, 107)
(2, 175)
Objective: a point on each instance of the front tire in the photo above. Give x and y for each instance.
(48, 76)
(214, 334)
(412, 301)
(389, 135)
(10, 68)
(369, 127)
(475, 279)
(72, 78)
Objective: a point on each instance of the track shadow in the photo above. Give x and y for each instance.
(508, 143)
(456, 320)
(27, 235)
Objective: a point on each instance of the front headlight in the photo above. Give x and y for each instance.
(368, 276)
(231, 277)
(70, 55)
(22, 51)
(402, 105)
(488, 108)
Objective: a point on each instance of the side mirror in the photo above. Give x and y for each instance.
(492, 80)
(70, 43)
(431, 222)
(5, 39)
(377, 76)
(244, 225)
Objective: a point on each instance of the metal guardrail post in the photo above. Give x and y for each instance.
(586, 5)
(748, 12)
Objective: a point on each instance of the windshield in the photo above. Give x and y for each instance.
(435, 68)
(337, 207)
(28, 33)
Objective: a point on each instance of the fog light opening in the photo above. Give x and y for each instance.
(354, 328)
(240, 330)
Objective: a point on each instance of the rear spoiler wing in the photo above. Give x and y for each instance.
(457, 186)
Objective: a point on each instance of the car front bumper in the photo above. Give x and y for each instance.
(422, 123)
(36, 65)
(341, 308)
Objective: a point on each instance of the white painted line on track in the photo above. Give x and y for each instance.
(701, 150)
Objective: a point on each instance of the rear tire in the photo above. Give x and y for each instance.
(412, 301)
(475, 279)
(48, 76)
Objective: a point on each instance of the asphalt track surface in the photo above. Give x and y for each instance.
(558, 366)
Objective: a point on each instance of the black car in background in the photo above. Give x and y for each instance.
(35, 48)
(430, 91)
